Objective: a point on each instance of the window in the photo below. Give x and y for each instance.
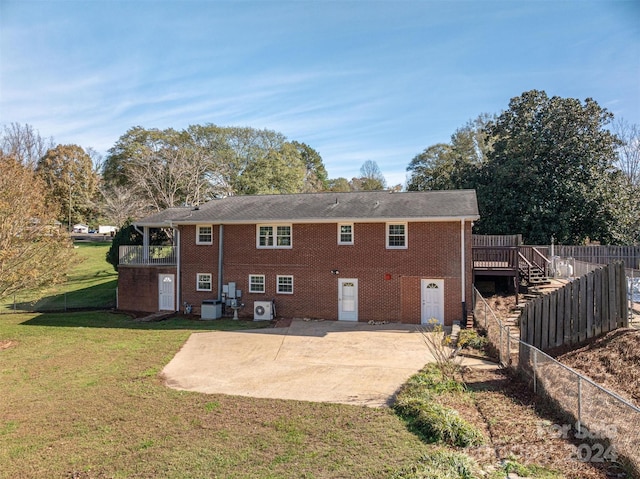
(256, 283)
(285, 284)
(204, 234)
(204, 282)
(345, 233)
(397, 235)
(274, 236)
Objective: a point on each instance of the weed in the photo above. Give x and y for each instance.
(512, 465)
(440, 345)
(440, 464)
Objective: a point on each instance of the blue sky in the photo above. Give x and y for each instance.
(356, 80)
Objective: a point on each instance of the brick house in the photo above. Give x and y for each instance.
(357, 256)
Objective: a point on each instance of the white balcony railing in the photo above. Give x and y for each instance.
(151, 255)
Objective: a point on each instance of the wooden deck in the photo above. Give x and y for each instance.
(496, 255)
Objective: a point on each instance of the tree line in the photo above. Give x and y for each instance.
(546, 167)
(149, 170)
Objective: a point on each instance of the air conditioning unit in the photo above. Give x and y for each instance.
(262, 310)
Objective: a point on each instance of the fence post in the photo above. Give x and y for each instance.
(535, 371)
(579, 425)
(485, 315)
(501, 346)
(14, 303)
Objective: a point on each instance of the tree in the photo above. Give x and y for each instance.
(338, 185)
(71, 181)
(120, 203)
(24, 144)
(628, 195)
(169, 168)
(454, 165)
(33, 251)
(432, 169)
(161, 167)
(550, 171)
(278, 172)
(371, 178)
(628, 159)
(316, 177)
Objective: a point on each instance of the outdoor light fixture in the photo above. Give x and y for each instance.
(335, 271)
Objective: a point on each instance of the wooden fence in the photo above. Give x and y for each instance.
(591, 305)
(630, 255)
(497, 240)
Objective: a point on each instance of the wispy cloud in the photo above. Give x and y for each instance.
(357, 81)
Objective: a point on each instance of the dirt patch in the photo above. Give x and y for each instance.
(7, 343)
(522, 427)
(612, 361)
(502, 305)
(282, 323)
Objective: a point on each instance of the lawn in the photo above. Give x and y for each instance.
(82, 397)
(91, 283)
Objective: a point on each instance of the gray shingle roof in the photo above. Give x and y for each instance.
(364, 206)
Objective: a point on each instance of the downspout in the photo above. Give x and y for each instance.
(176, 235)
(178, 282)
(220, 253)
(463, 276)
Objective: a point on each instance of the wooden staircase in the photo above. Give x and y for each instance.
(533, 267)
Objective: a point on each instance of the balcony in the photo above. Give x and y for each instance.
(147, 255)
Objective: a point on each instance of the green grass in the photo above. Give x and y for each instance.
(440, 464)
(417, 404)
(91, 283)
(82, 396)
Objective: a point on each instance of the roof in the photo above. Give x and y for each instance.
(360, 206)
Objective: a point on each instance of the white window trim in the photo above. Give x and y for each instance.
(198, 288)
(340, 225)
(406, 234)
(278, 283)
(263, 283)
(198, 234)
(274, 229)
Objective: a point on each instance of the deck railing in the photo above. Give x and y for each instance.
(150, 255)
(495, 258)
(535, 256)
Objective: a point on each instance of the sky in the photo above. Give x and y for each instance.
(355, 80)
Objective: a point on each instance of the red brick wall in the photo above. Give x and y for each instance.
(198, 259)
(433, 252)
(138, 287)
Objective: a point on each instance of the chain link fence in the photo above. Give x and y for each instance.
(72, 301)
(609, 424)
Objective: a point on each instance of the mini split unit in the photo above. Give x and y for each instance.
(263, 310)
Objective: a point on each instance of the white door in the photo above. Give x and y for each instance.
(347, 299)
(166, 292)
(432, 296)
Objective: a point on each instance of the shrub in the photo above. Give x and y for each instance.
(469, 338)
